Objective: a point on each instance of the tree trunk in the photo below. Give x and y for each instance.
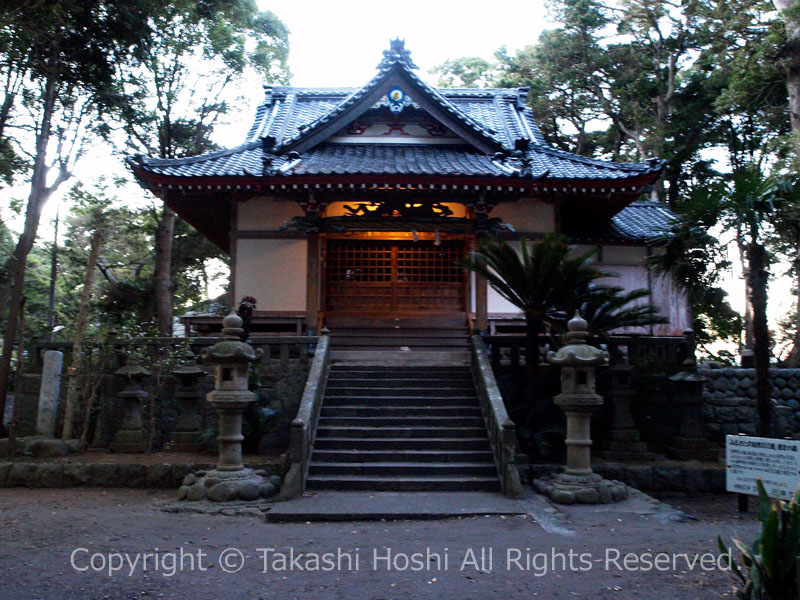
(790, 59)
(71, 406)
(14, 425)
(757, 262)
(37, 198)
(163, 288)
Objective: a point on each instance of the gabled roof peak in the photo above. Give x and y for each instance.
(397, 53)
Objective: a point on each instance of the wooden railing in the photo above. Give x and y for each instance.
(304, 426)
(501, 429)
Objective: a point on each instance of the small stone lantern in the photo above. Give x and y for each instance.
(230, 480)
(578, 400)
(130, 437)
(186, 437)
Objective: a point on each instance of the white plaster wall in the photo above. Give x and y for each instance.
(527, 216)
(273, 272)
(266, 213)
(624, 255)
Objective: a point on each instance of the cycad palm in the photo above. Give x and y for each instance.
(539, 279)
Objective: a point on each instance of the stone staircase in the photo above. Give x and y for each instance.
(401, 428)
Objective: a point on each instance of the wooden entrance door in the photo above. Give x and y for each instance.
(385, 276)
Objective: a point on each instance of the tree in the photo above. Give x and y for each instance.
(790, 60)
(72, 50)
(174, 109)
(466, 72)
(540, 279)
(695, 261)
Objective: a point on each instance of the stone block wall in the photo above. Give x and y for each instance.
(729, 401)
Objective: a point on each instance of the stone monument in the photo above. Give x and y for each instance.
(48, 393)
(578, 400)
(230, 480)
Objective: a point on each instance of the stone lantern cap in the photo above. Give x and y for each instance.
(689, 372)
(577, 353)
(132, 370)
(232, 348)
(188, 366)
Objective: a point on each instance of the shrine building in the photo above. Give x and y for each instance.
(358, 202)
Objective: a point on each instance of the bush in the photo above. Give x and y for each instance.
(768, 570)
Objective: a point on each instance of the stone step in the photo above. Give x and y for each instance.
(399, 411)
(382, 332)
(399, 382)
(394, 456)
(400, 432)
(399, 357)
(384, 444)
(414, 343)
(380, 400)
(402, 421)
(403, 484)
(415, 469)
(377, 369)
(399, 377)
(386, 391)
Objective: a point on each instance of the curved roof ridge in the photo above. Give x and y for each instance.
(595, 162)
(189, 160)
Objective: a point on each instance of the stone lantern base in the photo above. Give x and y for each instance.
(565, 488)
(225, 486)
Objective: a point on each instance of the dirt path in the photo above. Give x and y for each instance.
(41, 529)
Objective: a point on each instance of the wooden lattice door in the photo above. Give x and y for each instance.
(394, 276)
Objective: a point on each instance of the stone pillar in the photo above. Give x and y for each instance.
(626, 442)
(578, 400)
(186, 437)
(48, 393)
(230, 480)
(130, 437)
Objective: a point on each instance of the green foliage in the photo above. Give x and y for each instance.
(768, 569)
(541, 279)
(548, 281)
(464, 72)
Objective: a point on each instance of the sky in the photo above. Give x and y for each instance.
(340, 43)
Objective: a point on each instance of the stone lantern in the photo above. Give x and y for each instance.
(130, 437)
(186, 437)
(578, 400)
(230, 480)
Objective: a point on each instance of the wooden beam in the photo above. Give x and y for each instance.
(313, 283)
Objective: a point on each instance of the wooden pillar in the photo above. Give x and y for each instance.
(313, 271)
(481, 296)
(481, 304)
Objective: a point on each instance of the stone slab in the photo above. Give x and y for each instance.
(373, 506)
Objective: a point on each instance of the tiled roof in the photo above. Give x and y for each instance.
(639, 221)
(302, 119)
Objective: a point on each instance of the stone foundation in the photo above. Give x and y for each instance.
(32, 474)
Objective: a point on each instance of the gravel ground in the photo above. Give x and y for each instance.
(41, 529)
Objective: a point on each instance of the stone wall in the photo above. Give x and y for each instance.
(729, 402)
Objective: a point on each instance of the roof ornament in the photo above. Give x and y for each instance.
(397, 53)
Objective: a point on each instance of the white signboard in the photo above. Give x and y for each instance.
(776, 462)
